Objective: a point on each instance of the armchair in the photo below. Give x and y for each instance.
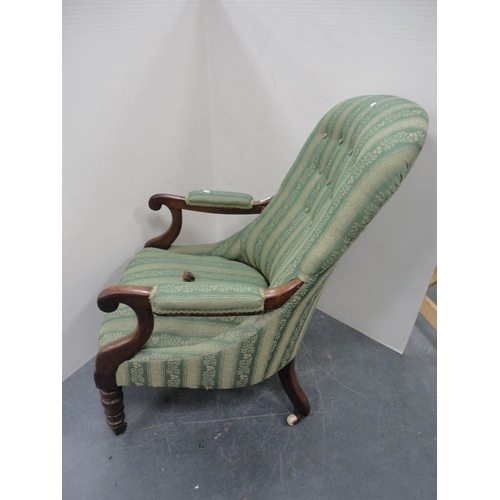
(234, 312)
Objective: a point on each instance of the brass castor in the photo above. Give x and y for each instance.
(292, 419)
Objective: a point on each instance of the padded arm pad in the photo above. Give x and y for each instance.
(220, 199)
(206, 298)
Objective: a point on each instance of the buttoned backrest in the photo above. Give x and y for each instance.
(351, 164)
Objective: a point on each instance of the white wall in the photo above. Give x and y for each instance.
(174, 96)
(275, 69)
(136, 122)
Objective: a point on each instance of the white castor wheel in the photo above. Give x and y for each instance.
(292, 419)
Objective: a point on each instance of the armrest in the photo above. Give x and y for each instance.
(219, 298)
(173, 201)
(178, 203)
(219, 199)
(207, 299)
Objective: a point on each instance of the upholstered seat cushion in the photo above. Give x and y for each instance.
(153, 266)
(176, 336)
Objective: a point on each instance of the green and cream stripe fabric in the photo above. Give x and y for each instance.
(152, 266)
(353, 161)
(210, 298)
(349, 167)
(220, 199)
(220, 352)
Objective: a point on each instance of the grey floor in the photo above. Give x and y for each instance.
(371, 433)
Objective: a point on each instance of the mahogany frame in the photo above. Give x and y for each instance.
(112, 355)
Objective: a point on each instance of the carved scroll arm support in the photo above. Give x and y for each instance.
(112, 355)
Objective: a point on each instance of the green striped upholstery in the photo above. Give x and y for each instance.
(349, 167)
(223, 199)
(217, 297)
(152, 266)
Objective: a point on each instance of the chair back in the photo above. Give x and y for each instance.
(351, 164)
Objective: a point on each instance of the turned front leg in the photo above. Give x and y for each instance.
(112, 402)
(112, 355)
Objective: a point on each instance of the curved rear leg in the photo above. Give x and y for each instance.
(290, 383)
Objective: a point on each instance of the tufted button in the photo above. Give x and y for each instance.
(307, 210)
(341, 141)
(325, 135)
